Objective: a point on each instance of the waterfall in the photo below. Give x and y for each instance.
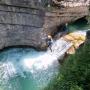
(39, 66)
(44, 61)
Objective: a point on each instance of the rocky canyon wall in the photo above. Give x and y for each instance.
(27, 23)
(21, 23)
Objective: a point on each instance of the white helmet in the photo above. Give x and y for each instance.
(49, 36)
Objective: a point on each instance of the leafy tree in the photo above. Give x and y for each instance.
(74, 73)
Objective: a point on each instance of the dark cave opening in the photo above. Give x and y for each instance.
(82, 21)
(61, 30)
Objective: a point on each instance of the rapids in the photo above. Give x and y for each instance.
(28, 69)
(22, 69)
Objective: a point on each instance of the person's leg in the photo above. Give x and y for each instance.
(50, 46)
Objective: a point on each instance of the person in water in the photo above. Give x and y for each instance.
(49, 42)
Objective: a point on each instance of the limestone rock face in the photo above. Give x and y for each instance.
(21, 26)
(23, 3)
(25, 22)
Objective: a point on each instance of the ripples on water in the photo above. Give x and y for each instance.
(17, 71)
(27, 69)
(14, 75)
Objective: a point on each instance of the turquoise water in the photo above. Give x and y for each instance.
(80, 25)
(15, 76)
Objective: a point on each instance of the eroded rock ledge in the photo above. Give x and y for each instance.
(25, 22)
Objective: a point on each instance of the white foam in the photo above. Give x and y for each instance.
(45, 60)
(48, 58)
(7, 70)
(41, 62)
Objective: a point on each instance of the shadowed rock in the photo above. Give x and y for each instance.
(88, 37)
(25, 22)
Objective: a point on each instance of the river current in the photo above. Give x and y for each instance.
(16, 73)
(20, 71)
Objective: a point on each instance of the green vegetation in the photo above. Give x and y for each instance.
(74, 73)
